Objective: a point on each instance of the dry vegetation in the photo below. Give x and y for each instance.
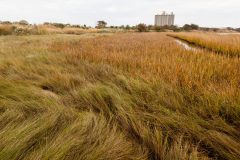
(16, 29)
(223, 44)
(121, 96)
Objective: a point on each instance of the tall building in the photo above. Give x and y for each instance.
(164, 19)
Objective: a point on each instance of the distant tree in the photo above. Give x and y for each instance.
(194, 27)
(159, 29)
(23, 22)
(127, 27)
(122, 27)
(166, 27)
(206, 29)
(46, 23)
(58, 25)
(133, 27)
(142, 27)
(150, 27)
(187, 27)
(67, 25)
(76, 26)
(177, 29)
(230, 28)
(172, 28)
(237, 29)
(101, 24)
(215, 29)
(5, 22)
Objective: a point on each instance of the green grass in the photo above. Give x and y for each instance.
(56, 105)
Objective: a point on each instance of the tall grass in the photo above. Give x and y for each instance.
(17, 29)
(121, 96)
(6, 29)
(223, 44)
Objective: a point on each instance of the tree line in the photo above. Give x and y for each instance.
(140, 27)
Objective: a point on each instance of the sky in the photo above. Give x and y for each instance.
(208, 13)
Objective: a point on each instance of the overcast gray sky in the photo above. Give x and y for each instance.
(212, 13)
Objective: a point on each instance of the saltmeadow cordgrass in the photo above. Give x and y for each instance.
(121, 96)
(227, 45)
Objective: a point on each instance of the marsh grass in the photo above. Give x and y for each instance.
(121, 96)
(6, 29)
(227, 45)
(23, 30)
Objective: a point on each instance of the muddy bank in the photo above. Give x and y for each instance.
(185, 45)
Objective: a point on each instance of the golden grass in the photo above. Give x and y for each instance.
(223, 44)
(6, 29)
(121, 96)
(16, 29)
(67, 30)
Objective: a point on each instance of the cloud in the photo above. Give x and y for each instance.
(205, 12)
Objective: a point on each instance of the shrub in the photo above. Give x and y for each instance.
(194, 26)
(21, 31)
(237, 29)
(101, 24)
(127, 27)
(6, 29)
(189, 27)
(23, 22)
(142, 27)
(159, 29)
(5, 22)
(58, 25)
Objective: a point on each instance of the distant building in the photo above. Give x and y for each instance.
(164, 19)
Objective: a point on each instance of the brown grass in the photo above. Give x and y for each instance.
(6, 29)
(223, 44)
(16, 29)
(121, 96)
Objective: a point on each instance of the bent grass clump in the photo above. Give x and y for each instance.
(121, 96)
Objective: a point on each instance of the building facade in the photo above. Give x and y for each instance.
(164, 19)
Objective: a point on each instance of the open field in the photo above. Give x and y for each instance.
(226, 44)
(116, 96)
